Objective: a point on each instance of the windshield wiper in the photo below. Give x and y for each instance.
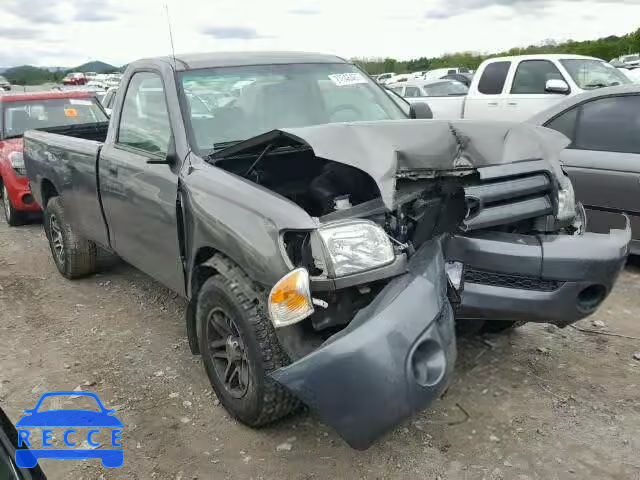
(596, 85)
(223, 145)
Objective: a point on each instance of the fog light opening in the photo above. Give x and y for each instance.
(591, 297)
(428, 363)
(27, 199)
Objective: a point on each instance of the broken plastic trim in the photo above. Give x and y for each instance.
(393, 359)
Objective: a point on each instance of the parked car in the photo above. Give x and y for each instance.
(425, 90)
(412, 89)
(50, 111)
(464, 78)
(75, 79)
(439, 73)
(603, 159)
(631, 60)
(307, 224)
(401, 77)
(9, 446)
(632, 73)
(384, 77)
(4, 84)
(516, 88)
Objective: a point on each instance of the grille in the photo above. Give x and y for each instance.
(510, 200)
(505, 280)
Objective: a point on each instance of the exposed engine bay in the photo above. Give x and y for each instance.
(342, 174)
(333, 191)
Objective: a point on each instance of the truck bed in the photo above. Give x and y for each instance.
(69, 161)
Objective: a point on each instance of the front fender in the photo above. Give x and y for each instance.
(393, 360)
(239, 219)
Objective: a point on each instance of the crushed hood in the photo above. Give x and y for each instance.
(387, 149)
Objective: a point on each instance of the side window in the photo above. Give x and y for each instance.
(532, 75)
(412, 92)
(144, 123)
(610, 124)
(493, 78)
(565, 123)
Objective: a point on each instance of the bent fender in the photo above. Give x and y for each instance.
(393, 360)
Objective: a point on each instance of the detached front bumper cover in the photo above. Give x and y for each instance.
(393, 360)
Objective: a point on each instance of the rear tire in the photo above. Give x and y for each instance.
(74, 255)
(13, 217)
(240, 349)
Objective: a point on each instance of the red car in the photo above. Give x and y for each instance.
(50, 111)
(75, 79)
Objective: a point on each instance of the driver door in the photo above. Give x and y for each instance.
(139, 196)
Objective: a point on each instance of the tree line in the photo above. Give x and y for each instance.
(30, 75)
(606, 48)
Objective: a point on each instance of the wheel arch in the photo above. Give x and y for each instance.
(47, 191)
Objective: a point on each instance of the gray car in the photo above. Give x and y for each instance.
(603, 160)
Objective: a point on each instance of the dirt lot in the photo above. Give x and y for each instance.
(542, 403)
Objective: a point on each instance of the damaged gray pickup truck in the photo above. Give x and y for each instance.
(324, 236)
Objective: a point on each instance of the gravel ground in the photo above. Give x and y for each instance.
(539, 403)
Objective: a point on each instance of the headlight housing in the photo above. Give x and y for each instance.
(566, 200)
(17, 162)
(354, 246)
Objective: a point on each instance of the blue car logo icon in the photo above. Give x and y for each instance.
(69, 418)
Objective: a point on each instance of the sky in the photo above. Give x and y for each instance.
(71, 32)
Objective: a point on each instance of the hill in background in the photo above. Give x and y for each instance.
(95, 66)
(29, 75)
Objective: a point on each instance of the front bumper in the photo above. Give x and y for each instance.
(555, 279)
(393, 360)
(20, 193)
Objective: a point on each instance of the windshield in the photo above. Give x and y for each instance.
(589, 74)
(630, 58)
(35, 114)
(444, 89)
(242, 102)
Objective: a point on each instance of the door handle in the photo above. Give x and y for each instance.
(493, 104)
(513, 104)
(113, 170)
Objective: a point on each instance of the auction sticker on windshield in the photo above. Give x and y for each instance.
(344, 79)
(69, 433)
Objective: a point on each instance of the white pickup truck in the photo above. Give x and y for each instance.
(516, 88)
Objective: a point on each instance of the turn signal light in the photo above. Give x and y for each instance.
(290, 299)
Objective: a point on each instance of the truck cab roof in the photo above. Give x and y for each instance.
(197, 61)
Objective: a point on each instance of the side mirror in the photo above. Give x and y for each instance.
(557, 86)
(420, 110)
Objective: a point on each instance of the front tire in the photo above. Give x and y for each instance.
(74, 255)
(240, 349)
(13, 217)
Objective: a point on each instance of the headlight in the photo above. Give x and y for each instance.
(355, 246)
(566, 200)
(290, 299)
(17, 162)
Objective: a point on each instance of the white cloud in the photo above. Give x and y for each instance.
(70, 32)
